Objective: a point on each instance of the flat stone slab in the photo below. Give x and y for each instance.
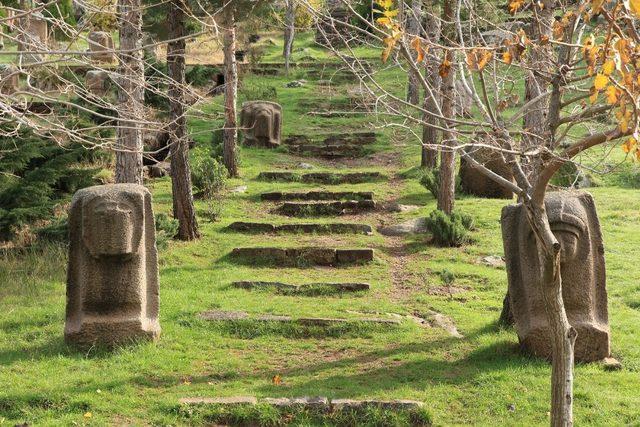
(414, 226)
(322, 177)
(318, 402)
(230, 316)
(338, 287)
(302, 209)
(278, 196)
(304, 256)
(227, 401)
(331, 228)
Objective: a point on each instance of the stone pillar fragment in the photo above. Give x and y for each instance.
(261, 123)
(97, 82)
(101, 46)
(574, 222)
(33, 36)
(112, 278)
(476, 183)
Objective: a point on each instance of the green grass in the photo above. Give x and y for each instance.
(472, 380)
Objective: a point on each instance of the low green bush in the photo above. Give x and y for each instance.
(209, 178)
(166, 229)
(450, 230)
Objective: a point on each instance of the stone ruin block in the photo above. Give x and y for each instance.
(33, 36)
(261, 123)
(574, 221)
(101, 46)
(476, 183)
(463, 100)
(9, 79)
(112, 279)
(97, 82)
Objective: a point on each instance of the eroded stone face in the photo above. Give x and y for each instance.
(112, 281)
(262, 123)
(101, 46)
(574, 221)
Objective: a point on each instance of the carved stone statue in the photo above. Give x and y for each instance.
(33, 36)
(97, 82)
(262, 123)
(476, 183)
(101, 46)
(9, 79)
(574, 221)
(112, 279)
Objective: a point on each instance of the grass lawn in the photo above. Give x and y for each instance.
(480, 379)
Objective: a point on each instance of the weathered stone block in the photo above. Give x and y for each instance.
(354, 256)
(574, 221)
(112, 281)
(476, 183)
(33, 36)
(262, 254)
(101, 46)
(9, 79)
(261, 123)
(314, 256)
(97, 82)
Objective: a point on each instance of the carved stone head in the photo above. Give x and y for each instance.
(574, 222)
(262, 123)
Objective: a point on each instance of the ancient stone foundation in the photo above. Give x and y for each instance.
(9, 79)
(97, 82)
(112, 279)
(574, 221)
(261, 123)
(476, 183)
(33, 36)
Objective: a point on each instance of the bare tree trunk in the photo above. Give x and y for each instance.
(129, 146)
(289, 32)
(230, 135)
(446, 190)
(563, 335)
(431, 100)
(413, 29)
(183, 209)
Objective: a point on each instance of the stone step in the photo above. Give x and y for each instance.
(322, 177)
(316, 402)
(303, 209)
(352, 138)
(308, 288)
(331, 228)
(328, 151)
(277, 196)
(304, 256)
(231, 316)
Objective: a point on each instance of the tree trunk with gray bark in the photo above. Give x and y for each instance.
(230, 134)
(413, 30)
(289, 32)
(183, 209)
(129, 146)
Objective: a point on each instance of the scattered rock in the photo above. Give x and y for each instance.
(414, 226)
(296, 83)
(240, 189)
(224, 315)
(611, 364)
(305, 166)
(437, 320)
(160, 170)
(397, 207)
(511, 407)
(493, 261)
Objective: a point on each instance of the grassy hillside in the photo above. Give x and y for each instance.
(481, 378)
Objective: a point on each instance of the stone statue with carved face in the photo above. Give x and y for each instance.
(573, 219)
(261, 123)
(112, 279)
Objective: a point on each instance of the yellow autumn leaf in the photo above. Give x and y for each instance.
(594, 96)
(628, 145)
(445, 67)
(88, 415)
(596, 5)
(600, 82)
(507, 57)
(416, 44)
(608, 67)
(514, 5)
(634, 5)
(612, 94)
